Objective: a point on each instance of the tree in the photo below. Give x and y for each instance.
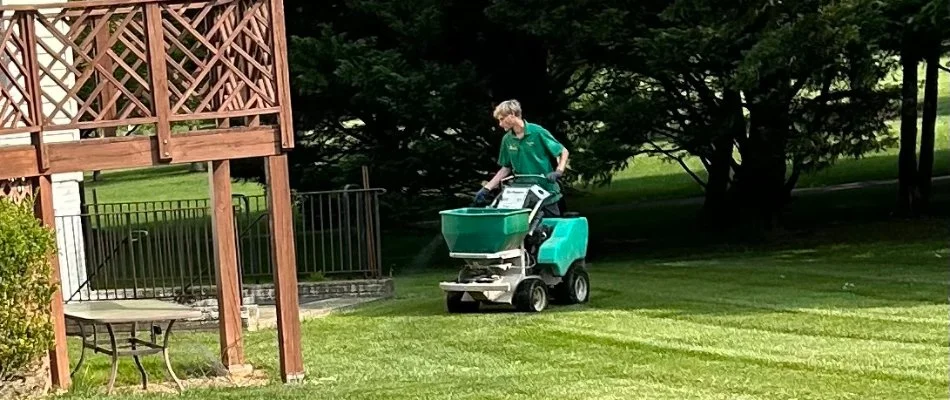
(917, 31)
(934, 16)
(408, 88)
(759, 92)
(368, 91)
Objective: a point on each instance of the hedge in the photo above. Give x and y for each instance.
(25, 287)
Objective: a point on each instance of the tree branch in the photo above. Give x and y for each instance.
(569, 68)
(681, 163)
(705, 162)
(704, 93)
(797, 88)
(578, 88)
(668, 133)
(655, 152)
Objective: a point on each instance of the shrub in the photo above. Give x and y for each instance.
(25, 287)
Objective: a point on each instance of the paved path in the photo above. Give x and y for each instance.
(310, 309)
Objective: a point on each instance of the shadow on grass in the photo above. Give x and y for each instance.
(671, 230)
(193, 355)
(843, 250)
(861, 281)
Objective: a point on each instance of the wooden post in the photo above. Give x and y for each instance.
(225, 262)
(158, 70)
(284, 261)
(58, 355)
(282, 70)
(34, 92)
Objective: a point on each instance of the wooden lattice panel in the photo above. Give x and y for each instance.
(15, 99)
(192, 74)
(16, 190)
(93, 67)
(98, 59)
(220, 58)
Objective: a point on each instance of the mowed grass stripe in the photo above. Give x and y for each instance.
(929, 271)
(876, 359)
(809, 324)
(763, 289)
(695, 299)
(539, 358)
(733, 376)
(537, 344)
(649, 293)
(891, 275)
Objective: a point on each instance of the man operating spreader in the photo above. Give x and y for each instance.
(518, 248)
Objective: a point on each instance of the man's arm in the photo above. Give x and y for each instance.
(495, 181)
(562, 160)
(555, 147)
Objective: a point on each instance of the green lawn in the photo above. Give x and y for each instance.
(852, 319)
(848, 304)
(173, 182)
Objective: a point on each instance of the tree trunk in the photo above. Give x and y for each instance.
(762, 182)
(717, 185)
(928, 129)
(907, 158)
(715, 212)
(764, 153)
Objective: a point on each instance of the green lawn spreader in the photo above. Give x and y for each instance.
(512, 255)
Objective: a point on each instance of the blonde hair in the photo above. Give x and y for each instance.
(506, 108)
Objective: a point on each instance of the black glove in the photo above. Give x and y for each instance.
(554, 176)
(480, 196)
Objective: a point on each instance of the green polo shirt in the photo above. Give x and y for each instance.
(531, 155)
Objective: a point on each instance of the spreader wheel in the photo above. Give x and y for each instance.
(531, 296)
(574, 288)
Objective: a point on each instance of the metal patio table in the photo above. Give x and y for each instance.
(115, 314)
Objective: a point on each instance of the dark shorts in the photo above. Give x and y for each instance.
(551, 210)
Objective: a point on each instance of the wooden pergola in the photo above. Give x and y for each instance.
(217, 66)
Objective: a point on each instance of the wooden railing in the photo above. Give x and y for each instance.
(154, 67)
(217, 66)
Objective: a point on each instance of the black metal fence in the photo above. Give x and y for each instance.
(164, 249)
(335, 232)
